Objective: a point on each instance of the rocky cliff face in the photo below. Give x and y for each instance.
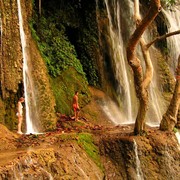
(11, 60)
(89, 32)
(154, 156)
(57, 155)
(11, 55)
(12, 67)
(66, 161)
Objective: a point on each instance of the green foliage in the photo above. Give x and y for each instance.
(58, 53)
(67, 137)
(86, 141)
(33, 2)
(64, 87)
(60, 26)
(89, 50)
(168, 3)
(175, 130)
(62, 95)
(33, 32)
(90, 70)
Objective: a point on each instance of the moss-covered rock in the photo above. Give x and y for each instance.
(64, 87)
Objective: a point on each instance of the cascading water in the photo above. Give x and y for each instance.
(23, 170)
(0, 23)
(30, 100)
(121, 68)
(110, 108)
(81, 170)
(178, 137)
(76, 162)
(157, 103)
(173, 42)
(1, 33)
(138, 164)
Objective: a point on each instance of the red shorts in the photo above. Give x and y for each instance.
(75, 107)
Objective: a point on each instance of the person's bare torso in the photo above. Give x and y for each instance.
(75, 99)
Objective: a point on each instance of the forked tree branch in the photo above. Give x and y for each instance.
(162, 37)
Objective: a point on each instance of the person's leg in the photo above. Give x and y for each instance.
(19, 124)
(74, 108)
(77, 114)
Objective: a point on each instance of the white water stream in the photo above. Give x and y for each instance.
(121, 70)
(173, 24)
(123, 115)
(157, 106)
(81, 170)
(126, 113)
(173, 18)
(76, 160)
(178, 136)
(1, 33)
(28, 84)
(27, 169)
(138, 163)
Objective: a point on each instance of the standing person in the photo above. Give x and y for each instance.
(76, 106)
(20, 114)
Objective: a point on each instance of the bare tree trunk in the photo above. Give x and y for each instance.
(144, 100)
(169, 119)
(1, 50)
(141, 82)
(40, 7)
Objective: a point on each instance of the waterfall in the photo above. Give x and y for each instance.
(81, 170)
(1, 33)
(138, 164)
(121, 26)
(178, 136)
(17, 172)
(157, 105)
(120, 65)
(27, 168)
(173, 42)
(76, 161)
(49, 176)
(30, 99)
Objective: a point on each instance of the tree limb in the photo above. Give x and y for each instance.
(147, 20)
(141, 82)
(169, 119)
(162, 37)
(149, 67)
